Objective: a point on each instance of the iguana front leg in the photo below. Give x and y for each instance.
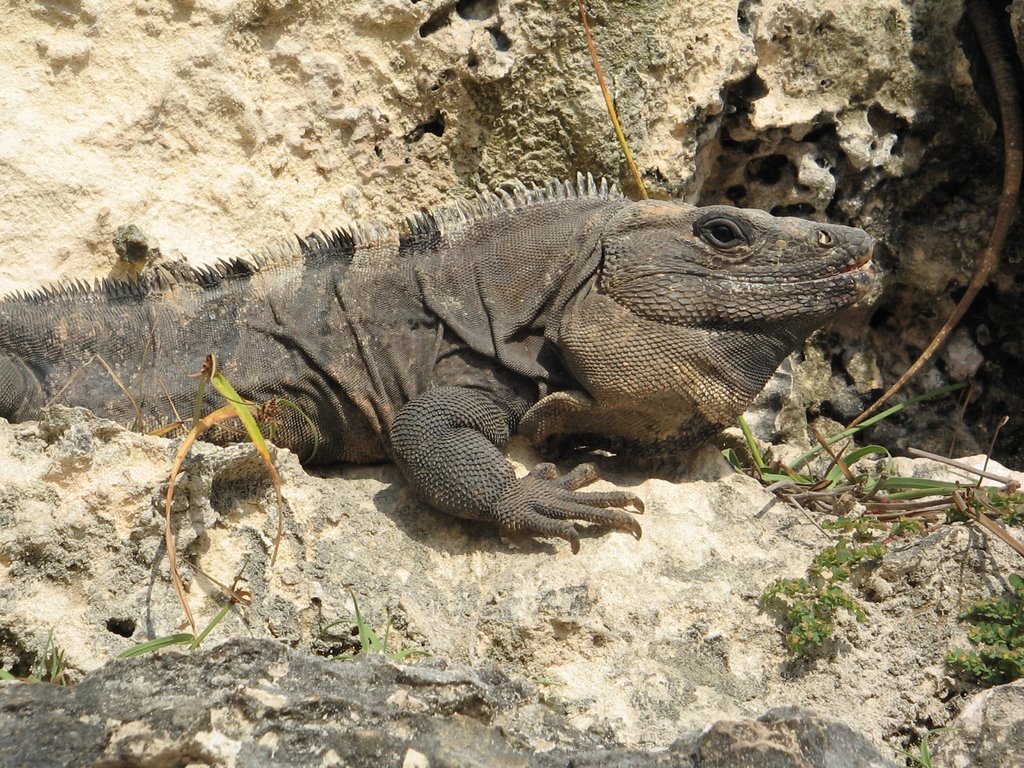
(446, 442)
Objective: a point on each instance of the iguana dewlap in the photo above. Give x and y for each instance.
(570, 314)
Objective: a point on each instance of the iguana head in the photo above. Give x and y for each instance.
(720, 267)
(688, 314)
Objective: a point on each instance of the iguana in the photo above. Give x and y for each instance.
(567, 313)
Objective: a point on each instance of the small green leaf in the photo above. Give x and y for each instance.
(156, 644)
(755, 452)
(243, 410)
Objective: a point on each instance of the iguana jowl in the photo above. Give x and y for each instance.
(570, 314)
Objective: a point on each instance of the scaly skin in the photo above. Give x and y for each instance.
(570, 314)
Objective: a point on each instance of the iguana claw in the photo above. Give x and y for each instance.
(543, 503)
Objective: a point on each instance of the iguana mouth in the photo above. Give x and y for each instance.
(861, 262)
(859, 268)
(862, 270)
(861, 273)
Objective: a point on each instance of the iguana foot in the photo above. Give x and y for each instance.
(543, 503)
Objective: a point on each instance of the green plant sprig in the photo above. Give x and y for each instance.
(370, 641)
(998, 637)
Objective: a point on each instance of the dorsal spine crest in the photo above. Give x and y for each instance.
(339, 244)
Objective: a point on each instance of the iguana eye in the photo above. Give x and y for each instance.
(721, 233)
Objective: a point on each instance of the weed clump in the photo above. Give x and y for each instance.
(998, 637)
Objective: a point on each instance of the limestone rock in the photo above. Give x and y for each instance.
(988, 733)
(787, 736)
(252, 703)
(643, 640)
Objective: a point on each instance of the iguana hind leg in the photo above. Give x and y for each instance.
(20, 393)
(446, 441)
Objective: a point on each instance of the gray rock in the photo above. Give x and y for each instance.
(962, 356)
(988, 733)
(133, 245)
(784, 737)
(251, 703)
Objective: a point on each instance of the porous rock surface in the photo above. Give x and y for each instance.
(218, 127)
(221, 126)
(636, 642)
